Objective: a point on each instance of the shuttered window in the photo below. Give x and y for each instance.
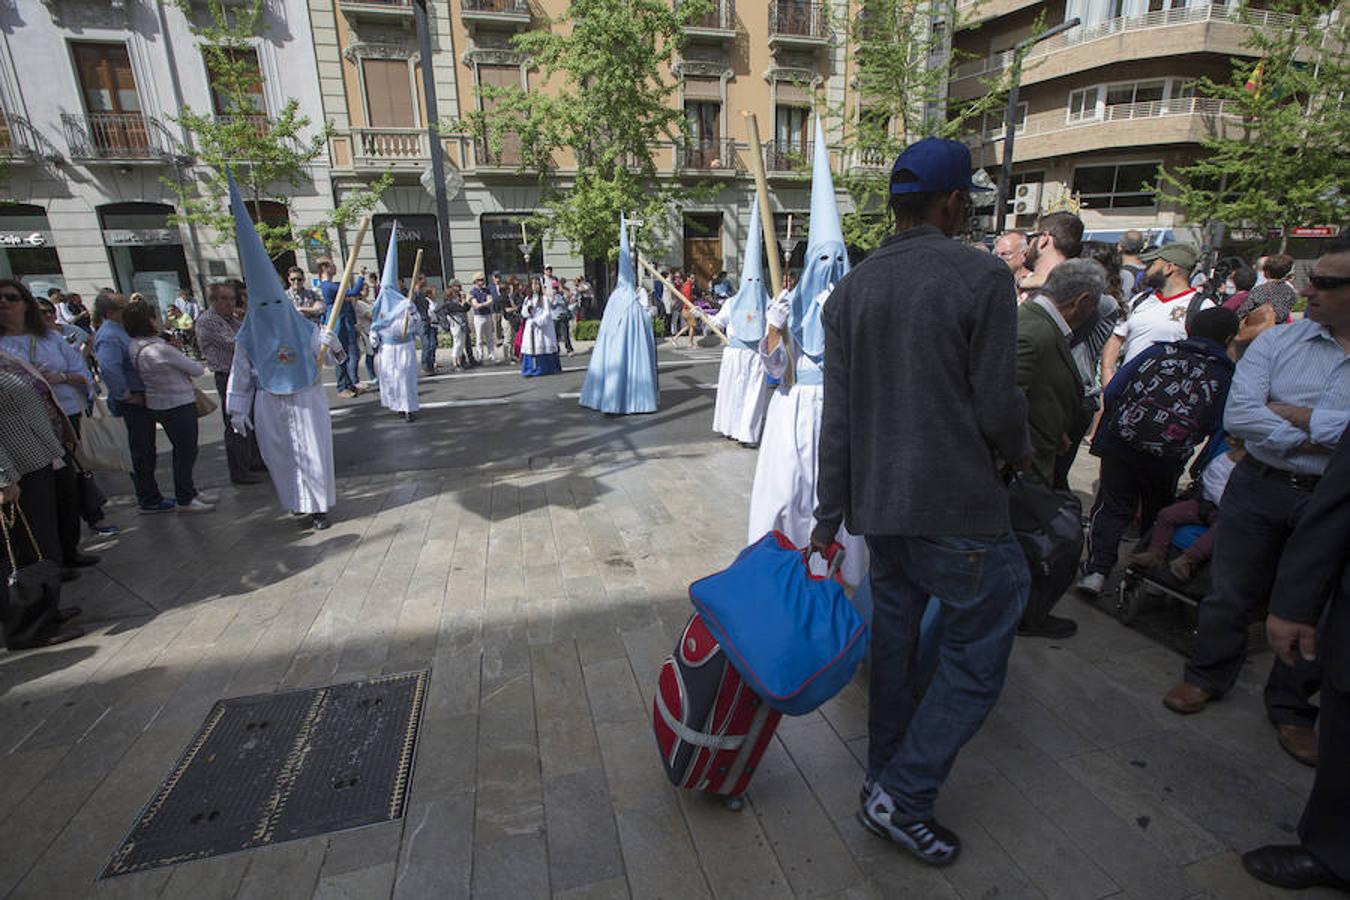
(389, 96)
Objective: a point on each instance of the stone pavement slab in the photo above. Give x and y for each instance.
(543, 599)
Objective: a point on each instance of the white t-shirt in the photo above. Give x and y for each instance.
(1156, 320)
(1215, 477)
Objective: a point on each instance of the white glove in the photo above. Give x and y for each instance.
(330, 340)
(777, 314)
(241, 424)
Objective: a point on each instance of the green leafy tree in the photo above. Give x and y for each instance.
(269, 156)
(1276, 158)
(901, 67)
(608, 108)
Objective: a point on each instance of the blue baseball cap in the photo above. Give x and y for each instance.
(933, 165)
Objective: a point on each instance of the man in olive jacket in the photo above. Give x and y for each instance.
(1046, 370)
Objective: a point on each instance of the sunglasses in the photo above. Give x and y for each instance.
(7, 297)
(1328, 282)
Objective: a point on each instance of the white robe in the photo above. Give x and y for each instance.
(741, 393)
(396, 365)
(783, 497)
(541, 336)
(295, 435)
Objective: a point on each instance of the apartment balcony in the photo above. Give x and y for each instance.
(509, 157)
(861, 160)
(973, 12)
(509, 14)
(18, 140)
(718, 26)
(798, 24)
(375, 150)
(258, 124)
(1186, 120)
(378, 12)
(117, 138)
(787, 159)
(710, 157)
(1173, 32)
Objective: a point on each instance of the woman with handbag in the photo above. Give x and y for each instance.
(33, 444)
(26, 335)
(169, 395)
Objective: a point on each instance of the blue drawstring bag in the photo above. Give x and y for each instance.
(793, 636)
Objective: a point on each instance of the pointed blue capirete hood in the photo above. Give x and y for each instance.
(621, 376)
(390, 303)
(826, 255)
(747, 307)
(277, 338)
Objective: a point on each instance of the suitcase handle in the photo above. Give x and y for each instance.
(697, 738)
(833, 556)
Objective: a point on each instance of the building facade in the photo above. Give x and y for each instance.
(777, 58)
(1103, 104)
(90, 91)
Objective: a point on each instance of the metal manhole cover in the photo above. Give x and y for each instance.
(276, 767)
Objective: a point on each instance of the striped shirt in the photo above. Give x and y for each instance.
(1300, 364)
(215, 338)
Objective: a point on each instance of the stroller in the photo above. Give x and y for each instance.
(1140, 588)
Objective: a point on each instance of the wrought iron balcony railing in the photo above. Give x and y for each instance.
(722, 17)
(116, 136)
(798, 20)
(708, 155)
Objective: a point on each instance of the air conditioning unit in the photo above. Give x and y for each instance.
(1027, 198)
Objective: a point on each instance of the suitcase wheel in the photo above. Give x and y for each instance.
(735, 804)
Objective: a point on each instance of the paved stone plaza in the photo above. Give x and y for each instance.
(543, 601)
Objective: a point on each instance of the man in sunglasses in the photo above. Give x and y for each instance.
(305, 298)
(1289, 404)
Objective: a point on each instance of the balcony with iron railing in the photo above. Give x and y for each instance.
(719, 24)
(509, 154)
(495, 13)
(383, 12)
(1177, 120)
(18, 140)
(261, 125)
(1193, 29)
(787, 158)
(116, 137)
(710, 156)
(798, 23)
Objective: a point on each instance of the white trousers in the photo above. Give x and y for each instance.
(482, 337)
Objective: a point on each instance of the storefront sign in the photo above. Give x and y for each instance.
(25, 239)
(140, 237)
(1315, 231)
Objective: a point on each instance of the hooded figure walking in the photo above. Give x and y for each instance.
(741, 397)
(394, 327)
(276, 355)
(621, 377)
(783, 497)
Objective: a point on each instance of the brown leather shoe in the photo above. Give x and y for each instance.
(1300, 742)
(1186, 698)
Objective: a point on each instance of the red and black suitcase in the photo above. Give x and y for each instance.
(711, 728)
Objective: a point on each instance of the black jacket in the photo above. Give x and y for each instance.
(1048, 375)
(1314, 571)
(921, 403)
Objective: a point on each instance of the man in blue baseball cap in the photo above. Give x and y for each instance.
(921, 411)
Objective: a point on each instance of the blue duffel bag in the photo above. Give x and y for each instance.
(793, 636)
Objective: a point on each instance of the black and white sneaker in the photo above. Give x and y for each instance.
(865, 791)
(925, 839)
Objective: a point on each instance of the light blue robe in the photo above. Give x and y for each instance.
(621, 378)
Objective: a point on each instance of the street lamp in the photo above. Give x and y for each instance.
(434, 140)
(1010, 118)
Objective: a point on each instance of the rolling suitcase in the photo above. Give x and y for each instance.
(711, 728)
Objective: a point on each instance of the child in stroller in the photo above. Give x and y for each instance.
(1184, 531)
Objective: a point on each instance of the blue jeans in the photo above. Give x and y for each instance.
(140, 425)
(180, 424)
(348, 372)
(428, 347)
(983, 585)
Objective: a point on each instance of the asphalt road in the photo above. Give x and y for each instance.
(493, 415)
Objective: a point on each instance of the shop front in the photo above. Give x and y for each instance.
(27, 250)
(506, 240)
(145, 251)
(415, 232)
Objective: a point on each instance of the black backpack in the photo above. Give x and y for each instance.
(1048, 525)
(1162, 409)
